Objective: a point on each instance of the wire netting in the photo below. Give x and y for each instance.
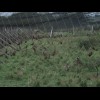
(21, 26)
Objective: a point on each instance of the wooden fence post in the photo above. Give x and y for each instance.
(51, 33)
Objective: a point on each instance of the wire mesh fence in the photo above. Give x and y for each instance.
(58, 28)
(25, 25)
(22, 26)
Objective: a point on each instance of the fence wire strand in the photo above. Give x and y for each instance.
(17, 29)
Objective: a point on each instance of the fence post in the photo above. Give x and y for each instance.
(51, 33)
(73, 31)
(92, 29)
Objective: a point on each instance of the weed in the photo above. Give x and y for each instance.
(83, 83)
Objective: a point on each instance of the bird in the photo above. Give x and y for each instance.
(13, 53)
(78, 61)
(34, 48)
(60, 42)
(6, 51)
(94, 48)
(18, 42)
(46, 55)
(33, 37)
(90, 54)
(26, 46)
(6, 54)
(25, 41)
(32, 43)
(54, 52)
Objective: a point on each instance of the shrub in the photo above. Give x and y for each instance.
(90, 42)
(98, 84)
(85, 43)
(83, 83)
(14, 75)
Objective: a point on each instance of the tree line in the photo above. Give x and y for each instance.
(34, 18)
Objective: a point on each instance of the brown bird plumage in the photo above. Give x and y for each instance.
(90, 54)
(94, 48)
(78, 61)
(13, 53)
(60, 42)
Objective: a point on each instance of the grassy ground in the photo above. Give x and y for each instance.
(53, 62)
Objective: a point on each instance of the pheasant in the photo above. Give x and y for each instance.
(78, 61)
(90, 54)
(13, 53)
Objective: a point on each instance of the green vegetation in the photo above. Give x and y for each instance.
(53, 62)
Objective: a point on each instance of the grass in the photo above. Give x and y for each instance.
(53, 63)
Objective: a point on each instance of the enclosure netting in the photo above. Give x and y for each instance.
(22, 25)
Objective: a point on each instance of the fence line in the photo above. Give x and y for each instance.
(19, 29)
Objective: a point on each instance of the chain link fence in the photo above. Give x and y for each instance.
(17, 29)
(22, 26)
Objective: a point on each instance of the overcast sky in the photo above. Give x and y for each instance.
(10, 13)
(6, 13)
